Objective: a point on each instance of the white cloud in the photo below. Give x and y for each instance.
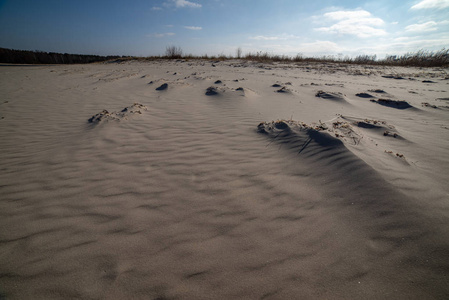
(160, 35)
(282, 37)
(359, 23)
(439, 4)
(264, 38)
(185, 3)
(347, 14)
(414, 44)
(401, 39)
(320, 47)
(193, 27)
(424, 27)
(362, 31)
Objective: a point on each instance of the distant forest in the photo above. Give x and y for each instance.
(11, 56)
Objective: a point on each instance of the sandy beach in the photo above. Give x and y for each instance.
(199, 179)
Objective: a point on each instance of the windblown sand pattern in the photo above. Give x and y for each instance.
(201, 195)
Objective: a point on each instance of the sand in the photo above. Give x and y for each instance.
(223, 180)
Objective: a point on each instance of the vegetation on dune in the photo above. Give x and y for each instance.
(421, 58)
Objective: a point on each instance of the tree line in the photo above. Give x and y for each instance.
(11, 56)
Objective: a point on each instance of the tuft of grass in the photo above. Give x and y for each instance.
(173, 52)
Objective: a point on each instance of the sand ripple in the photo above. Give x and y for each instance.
(188, 200)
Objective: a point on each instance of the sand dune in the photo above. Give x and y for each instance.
(330, 96)
(223, 180)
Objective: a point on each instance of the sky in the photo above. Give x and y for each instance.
(215, 27)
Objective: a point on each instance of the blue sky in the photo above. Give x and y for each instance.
(146, 27)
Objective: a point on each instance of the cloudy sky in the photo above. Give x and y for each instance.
(146, 27)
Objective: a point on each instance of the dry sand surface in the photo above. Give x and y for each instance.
(116, 186)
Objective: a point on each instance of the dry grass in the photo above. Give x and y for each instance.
(421, 58)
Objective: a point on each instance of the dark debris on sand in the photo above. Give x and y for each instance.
(364, 95)
(162, 87)
(283, 90)
(393, 76)
(427, 104)
(210, 91)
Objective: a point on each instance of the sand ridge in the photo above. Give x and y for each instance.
(249, 193)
